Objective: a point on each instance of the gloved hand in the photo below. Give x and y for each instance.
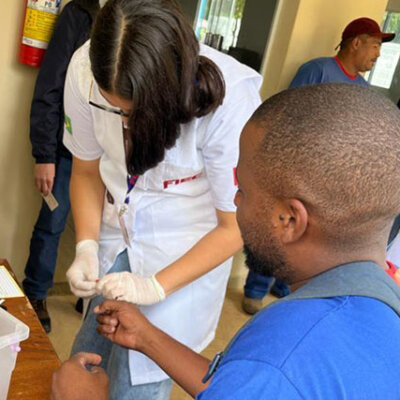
(84, 271)
(130, 287)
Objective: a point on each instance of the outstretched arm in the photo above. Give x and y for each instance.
(210, 251)
(124, 324)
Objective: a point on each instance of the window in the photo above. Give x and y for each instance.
(220, 17)
(382, 73)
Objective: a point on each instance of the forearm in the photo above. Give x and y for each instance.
(87, 197)
(209, 252)
(183, 365)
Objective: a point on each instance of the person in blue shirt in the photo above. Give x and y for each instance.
(359, 50)
(330, 206)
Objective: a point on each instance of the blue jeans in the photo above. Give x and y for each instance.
(115, 359)
(257, 286)
(41, 264)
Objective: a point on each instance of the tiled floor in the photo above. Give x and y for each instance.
(66, 321)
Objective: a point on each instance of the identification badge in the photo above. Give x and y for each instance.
(123, 210)
(51, 201)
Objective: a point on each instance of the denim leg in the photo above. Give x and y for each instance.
(87, 339)
(280, 288)
(115, 359)
(120, 380)
(41, 264)
(257, 286)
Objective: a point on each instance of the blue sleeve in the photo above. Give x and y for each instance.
(308, 74)
(249, 380)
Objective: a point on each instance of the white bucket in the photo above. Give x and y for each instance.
(12, 332)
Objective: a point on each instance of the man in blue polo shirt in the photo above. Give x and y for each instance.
(321, 224)
(359, 50)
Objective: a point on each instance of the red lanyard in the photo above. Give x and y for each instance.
(131, 181)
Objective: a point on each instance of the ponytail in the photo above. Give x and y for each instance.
(210, 86)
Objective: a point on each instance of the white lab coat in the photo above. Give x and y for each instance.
(172, 205)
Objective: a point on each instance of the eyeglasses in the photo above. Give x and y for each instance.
(104, 107)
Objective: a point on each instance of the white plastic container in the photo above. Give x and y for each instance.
(12, 331)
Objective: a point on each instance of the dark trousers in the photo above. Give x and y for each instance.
(257, 286)
(41, 264)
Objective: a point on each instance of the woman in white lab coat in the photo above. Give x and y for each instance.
(153, 122)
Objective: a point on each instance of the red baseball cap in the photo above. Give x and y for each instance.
(365, 26)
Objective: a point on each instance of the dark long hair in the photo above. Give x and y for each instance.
(147, 52)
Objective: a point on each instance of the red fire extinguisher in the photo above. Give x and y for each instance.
(40, 18)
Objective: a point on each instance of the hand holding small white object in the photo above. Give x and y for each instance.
(84, 271)
(132, 288)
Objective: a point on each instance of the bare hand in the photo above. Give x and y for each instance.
(44, 177)
(123, 323)
(74, 382)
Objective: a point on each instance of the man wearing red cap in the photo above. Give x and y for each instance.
(359, 50)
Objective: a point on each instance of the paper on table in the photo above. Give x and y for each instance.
(8, 286)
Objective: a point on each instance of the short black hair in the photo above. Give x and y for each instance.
(335, 147)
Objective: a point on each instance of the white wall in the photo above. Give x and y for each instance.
(19, 200)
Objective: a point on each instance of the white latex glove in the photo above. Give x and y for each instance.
(130, 287)
(84, 271)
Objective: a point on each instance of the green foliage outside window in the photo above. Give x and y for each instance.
(392, 24)
(239, 6)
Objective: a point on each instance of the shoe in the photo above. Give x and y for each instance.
(79, 306)
(251, 306)
(40, 308)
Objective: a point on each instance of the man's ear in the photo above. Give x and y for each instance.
(292, 221)
(355, 43)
